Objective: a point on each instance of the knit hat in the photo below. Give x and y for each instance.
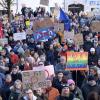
(92, 49)
(70, 81)
(91, 77)
(65, 85)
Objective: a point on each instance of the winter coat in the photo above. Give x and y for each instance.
(78, 93)
(15, 96)
(86, 89)
(6, 90)
(71, 97)
(92, 59)
(87, 45)
(17, 76)
(58, 84)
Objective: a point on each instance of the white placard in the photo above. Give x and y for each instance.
(19, 36)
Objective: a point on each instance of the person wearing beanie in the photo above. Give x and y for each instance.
(94, 71)
(90, 86)
(92, 58)
(66, 94)
(75, 90)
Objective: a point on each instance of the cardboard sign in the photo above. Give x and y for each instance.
(68, 35)
(58, 27)
(77, 61)
(44, 2)
(3, 41)
(49, 70)
(46, 22)
(95, 26)
(78, 39)
(33, 79)
(19, 36)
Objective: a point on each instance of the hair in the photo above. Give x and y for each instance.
(17, 81)
(93, 96)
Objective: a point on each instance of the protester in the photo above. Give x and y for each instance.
(51, 92)
(93, 96)
(58, 81)
(40, 94)
(6, 88)
(90, 86)
(66, 94)
(75, 90)
(29, 95)
(15, 73)
(16, 91)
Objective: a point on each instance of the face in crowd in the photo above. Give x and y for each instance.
(63, 60)
(18, 85)
(65, 91)
(29, 94)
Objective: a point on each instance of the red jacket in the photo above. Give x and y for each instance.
(14, 59)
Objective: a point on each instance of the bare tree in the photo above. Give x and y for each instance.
(6, 4)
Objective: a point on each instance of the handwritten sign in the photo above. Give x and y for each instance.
(33, 79)
(95, 26)
(77, 61)
(46, 22)
(49, 70)
(78, 39)
(68, 35)
(19, 36)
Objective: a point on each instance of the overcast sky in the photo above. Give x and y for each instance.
(35, 3)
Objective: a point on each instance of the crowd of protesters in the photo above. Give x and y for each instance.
(18, 56)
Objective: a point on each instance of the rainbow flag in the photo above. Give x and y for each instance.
(77, 61)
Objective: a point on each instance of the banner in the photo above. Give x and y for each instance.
(44, 2)
(19, 36)
(78, 39)
(95, 26)
(77, 61)
(44, 34)
(68, 35)
(33, 79)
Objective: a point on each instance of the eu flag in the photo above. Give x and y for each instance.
(65, 19)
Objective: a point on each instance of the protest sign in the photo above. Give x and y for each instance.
(77, 61)
(46, 22)
(49, 70)
(78, 39)
(44, 2)
(29, 31)
(43, 34)
(33, 79)
(68, 35)
(19, 36)
(3, 41)
(58, 27)
(95, 26)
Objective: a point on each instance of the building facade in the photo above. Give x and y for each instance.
(84, 5)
